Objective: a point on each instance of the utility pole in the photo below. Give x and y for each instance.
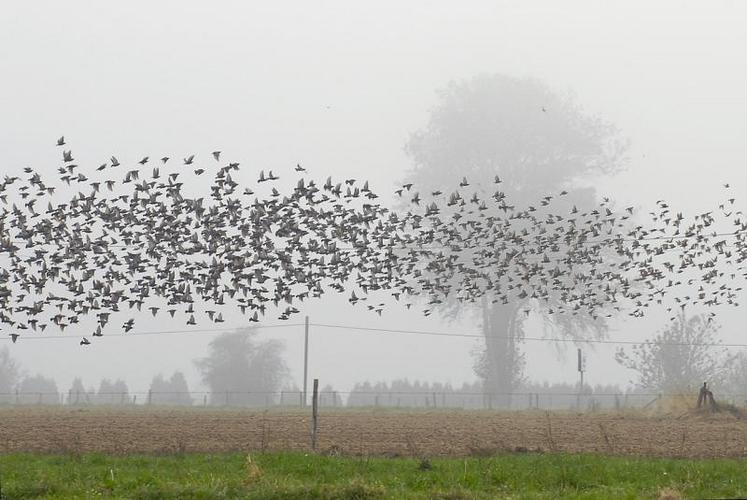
(305, 359)
(581, 374)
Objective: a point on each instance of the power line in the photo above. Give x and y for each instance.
(533, 339)
(161, 332)
(395, 331)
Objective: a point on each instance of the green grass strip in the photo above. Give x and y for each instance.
(300, 476)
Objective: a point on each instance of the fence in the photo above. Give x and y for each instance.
(358, 399)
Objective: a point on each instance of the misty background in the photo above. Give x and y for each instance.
(340, 88)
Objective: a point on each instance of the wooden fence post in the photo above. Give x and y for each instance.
(314, 413)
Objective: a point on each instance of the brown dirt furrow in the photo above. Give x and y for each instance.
(392, 433)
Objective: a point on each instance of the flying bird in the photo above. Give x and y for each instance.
(152, 243)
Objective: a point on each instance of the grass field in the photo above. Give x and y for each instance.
(140, 452)
(298, 475)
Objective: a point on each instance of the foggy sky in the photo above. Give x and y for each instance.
(338, 87)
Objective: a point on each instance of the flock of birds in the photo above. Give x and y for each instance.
(120, 238)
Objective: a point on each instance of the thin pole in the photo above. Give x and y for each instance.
(305, 359)
(314, 413)
(581, 374)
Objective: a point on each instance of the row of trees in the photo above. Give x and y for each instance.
(240, 370)
(14, 387)
(171, 391)
(403, 393)
(38, 389)
(678, 359)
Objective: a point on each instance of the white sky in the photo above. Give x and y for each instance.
(338, 88)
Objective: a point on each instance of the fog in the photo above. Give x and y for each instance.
(339, 88)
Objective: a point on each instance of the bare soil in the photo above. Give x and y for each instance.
(130, 430)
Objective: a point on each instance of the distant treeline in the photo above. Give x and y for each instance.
(416, 394)
(163, 391)
(398, 393)
(38, 389)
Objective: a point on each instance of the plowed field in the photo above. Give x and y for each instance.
(382, 432)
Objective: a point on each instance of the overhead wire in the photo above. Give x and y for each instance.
(354, 328)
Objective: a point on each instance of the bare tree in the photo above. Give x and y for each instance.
(539, 142)
(9, 374)
(681, 357)
(242, 371)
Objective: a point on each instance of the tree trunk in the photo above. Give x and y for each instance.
(502, 368)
